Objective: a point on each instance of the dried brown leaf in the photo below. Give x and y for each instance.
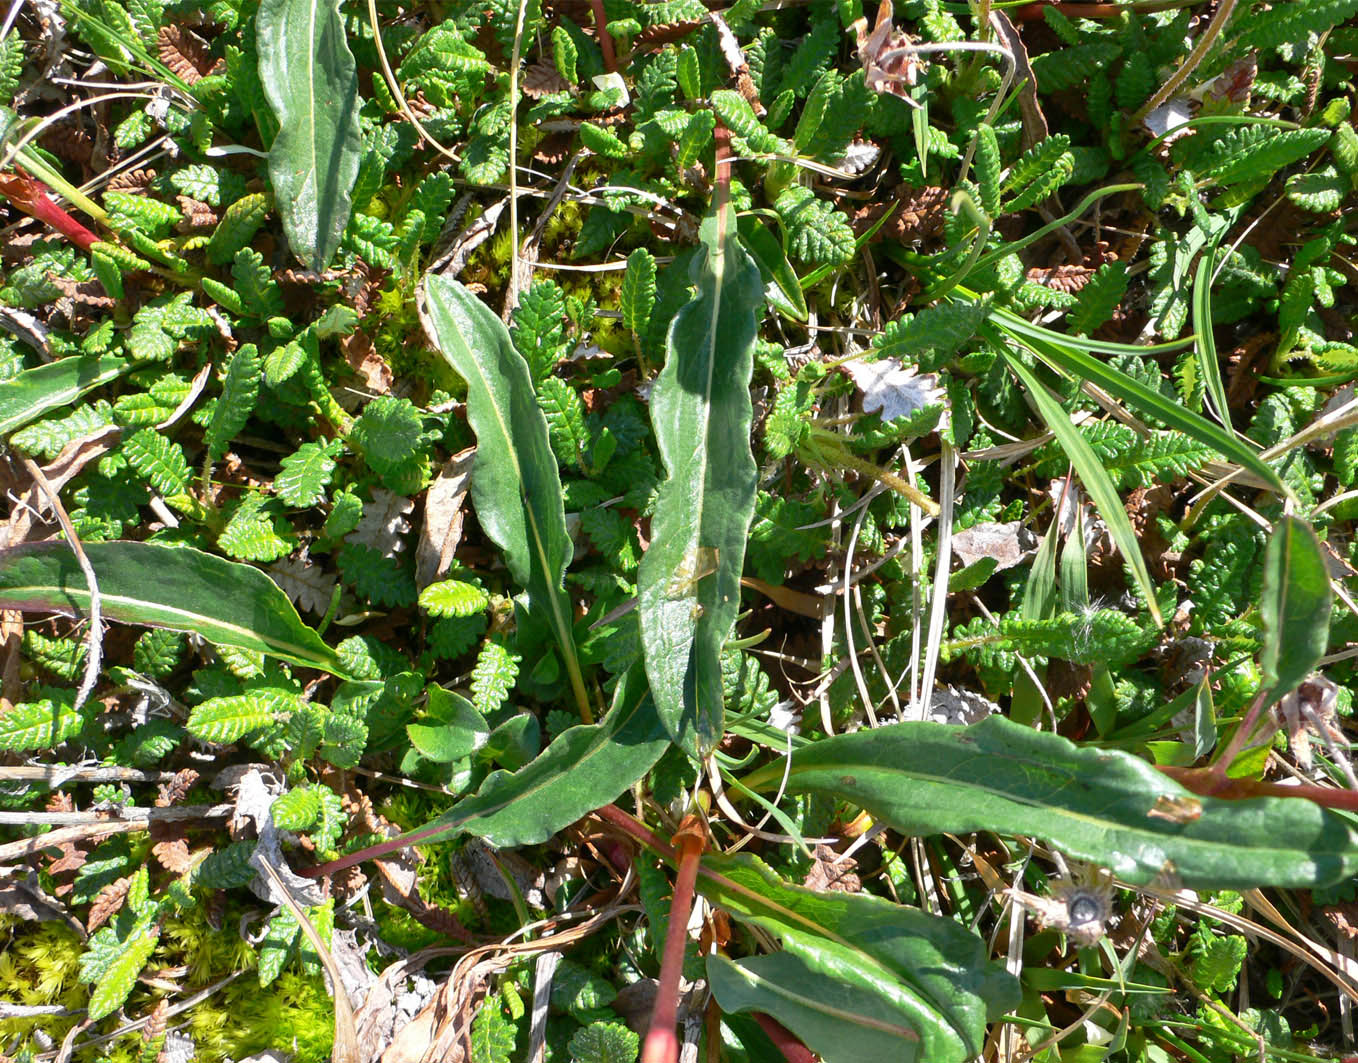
(186, 53)
(68, 142)
(177, 788)
(384, 524)
(364, 360)
(441, 530)
(541, 79)
(173, 854)
(832, 872)
(888, 55)
(305, 582)
(135, 182)
(197, 215)
(1068, 278)
(667, 33)
(107, 903)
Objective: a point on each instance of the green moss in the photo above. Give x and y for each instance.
(39, 964)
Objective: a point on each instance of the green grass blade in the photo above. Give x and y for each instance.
(1102, 491)
(1206, 347)
(689, 582)
(311, 82)
(1061, 354)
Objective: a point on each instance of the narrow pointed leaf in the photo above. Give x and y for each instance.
(1206, 348)
(1093, 475)
(311, 82)
(923, 986)
(1098, 805)
(1061, 354)
(585, 768)
(30, 394)
(781, 286)
(172, 587)
(516, 485)
(1295, 606)
(689, 582)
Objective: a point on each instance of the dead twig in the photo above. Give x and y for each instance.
(95, 641)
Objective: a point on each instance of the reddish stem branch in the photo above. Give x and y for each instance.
(605, 38)
(1208, 782)
(31, 197)
(784, 1039)
(1033, 12)
(1240, 739)
(662, 1042)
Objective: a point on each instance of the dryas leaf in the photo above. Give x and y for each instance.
(173, 587)
(1295, 606)
(311, 82)
(30, 394)
(1092, 804)
(516, 486)
(689, 580)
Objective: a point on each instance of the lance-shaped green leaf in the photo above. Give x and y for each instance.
(516, 485)
(30, 394)
(1206, 346)
(859, 977)
(1093, 475)
(1099, 805)
(172, 587)
(585, 768)
(1295, 606)
(781, 286)
(689, 582)
(311, 82)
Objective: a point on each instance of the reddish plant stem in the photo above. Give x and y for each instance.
(1033, 12)
(784, 1039)
(605, 38)
(722, 185)
(1209, 783)
(662, 1042)
(31, 197)
(631, 825)
(372, 852)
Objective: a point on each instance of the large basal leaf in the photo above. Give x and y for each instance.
(689, 581)
(1103, 806)
(1102, 491)
(1295, 606)
(585, 768)
(859, 977)
(311, 82)
(516, 485)
(30, 394)
(172, 587)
